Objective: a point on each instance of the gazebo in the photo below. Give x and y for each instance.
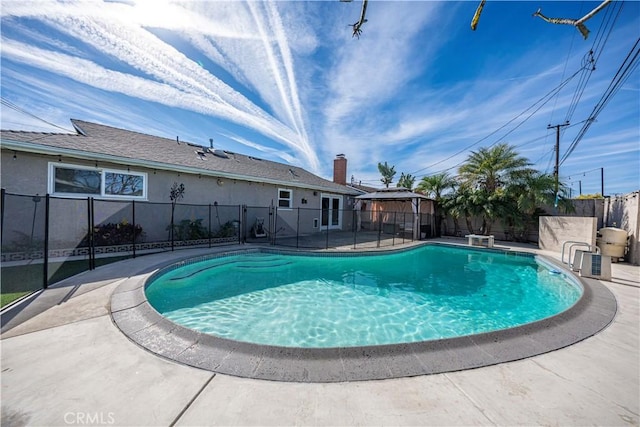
(399, 208)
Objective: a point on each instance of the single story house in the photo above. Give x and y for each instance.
(117, 166)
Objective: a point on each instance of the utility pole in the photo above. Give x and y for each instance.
(556, 169)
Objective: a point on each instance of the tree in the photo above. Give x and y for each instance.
(493, 167)
(590, 196)
(524, 198)
(387, 172)
(465, 203)
(452, 209)
(176, 193)
(406, 181)
(487, 172)
(434, 186)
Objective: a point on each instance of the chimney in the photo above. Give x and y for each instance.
(340, 169)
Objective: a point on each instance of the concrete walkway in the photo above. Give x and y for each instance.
(70, 365)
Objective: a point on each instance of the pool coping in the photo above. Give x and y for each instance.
(142, 324)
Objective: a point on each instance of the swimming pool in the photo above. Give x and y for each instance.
(352, 300)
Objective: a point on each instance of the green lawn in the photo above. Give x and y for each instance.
(7, 298)
(21, 280)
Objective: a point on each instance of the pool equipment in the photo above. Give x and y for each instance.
(612, 241)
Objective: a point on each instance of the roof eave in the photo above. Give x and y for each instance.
(385, 197)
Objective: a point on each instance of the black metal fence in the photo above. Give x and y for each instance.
(46, 239)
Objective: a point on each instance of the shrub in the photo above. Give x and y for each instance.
(115, 234)
(226, 230)
(23, 243)
(189, 230)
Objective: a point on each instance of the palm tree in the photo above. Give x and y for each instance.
(493, 167)
(526, 195)
(433, 186)
(406, 181)
(487, 172)
(387, 172)
(466, 202)
(453, 210)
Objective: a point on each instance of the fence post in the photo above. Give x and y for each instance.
(393, 232)
(92, 238)
(209, 226)
(275, 224)
(172, 228)
(89, 230)
(243, 223)
(2, 199)
(45, 279)
(326, 245)
(239, 229)
(354, 221)
(133, 218)
(298, 230)
(379, 229)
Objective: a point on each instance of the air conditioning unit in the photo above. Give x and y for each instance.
(596, 266)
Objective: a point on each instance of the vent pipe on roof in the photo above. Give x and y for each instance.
(178, 140)
(220, 153)
(210, 142)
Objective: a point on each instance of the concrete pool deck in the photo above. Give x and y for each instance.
(70, 365)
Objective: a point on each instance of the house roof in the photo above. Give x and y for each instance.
(398, 194)
(105, 143)
(362, 188)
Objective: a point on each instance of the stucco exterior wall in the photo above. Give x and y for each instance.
(590, 208)
(555, 230)
(27, 174)
(497, 229)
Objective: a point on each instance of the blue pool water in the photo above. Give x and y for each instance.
(427, 293)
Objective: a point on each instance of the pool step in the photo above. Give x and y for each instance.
(253, 264)
(262, 266)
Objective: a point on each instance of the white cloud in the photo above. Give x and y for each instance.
(171, 78)
(294, 78)
(272, 152)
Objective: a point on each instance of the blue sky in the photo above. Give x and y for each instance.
(286, 81)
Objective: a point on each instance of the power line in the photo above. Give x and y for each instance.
(14, 107)
(517, 145)
(589, 63)
(548, 96)
(583, 173)
(552, 150)
(591, 59)
(627, 67)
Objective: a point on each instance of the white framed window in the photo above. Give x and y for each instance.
(73, 180)
(285, 198)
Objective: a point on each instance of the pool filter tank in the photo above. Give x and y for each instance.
(612, 241)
